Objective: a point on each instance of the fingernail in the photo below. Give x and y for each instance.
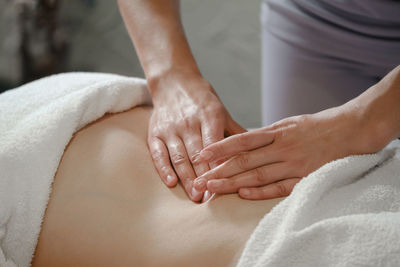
(206, 155)
(195, 193)
(245, 192)
(200, 184)
(206, 196)
(170, 178)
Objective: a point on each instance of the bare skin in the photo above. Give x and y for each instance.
(108, 207)
(268, 162)
(188, 118)
(188, 115)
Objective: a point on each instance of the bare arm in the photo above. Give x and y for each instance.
(156, 30)
(188, 114)
(379, 107)
(268, 162)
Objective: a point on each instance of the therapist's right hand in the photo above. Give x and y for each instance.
(187, 116)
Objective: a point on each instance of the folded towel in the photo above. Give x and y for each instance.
(37, 121)
(347, 213)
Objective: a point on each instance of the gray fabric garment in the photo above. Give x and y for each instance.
(321, 53)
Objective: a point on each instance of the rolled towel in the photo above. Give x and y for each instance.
(37, 120)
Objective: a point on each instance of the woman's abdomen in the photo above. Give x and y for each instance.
(109, 207)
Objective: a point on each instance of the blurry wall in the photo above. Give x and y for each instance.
(225, 39)
(224, 36)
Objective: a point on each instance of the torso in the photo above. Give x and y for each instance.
(109, 207)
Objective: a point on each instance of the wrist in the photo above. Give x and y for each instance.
(373, 125)
(380, 123)
(170, 66)
(187, 80)
(375, 115)
(348, 130)
(366, 134)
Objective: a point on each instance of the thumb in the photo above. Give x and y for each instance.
(234, 128)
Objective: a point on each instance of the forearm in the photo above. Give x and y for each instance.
(156, 30)
(379, 107)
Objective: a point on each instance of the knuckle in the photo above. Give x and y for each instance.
(207, 140)
(281, 134)
(243, 161)
(178, 159)
(243, 140)
(185, 123)
(285, 132)
(259, 175)
(193, 142)
(218, 109)
(305, 118)
(281, 189)
(158, 155)
(227, 186)
(214, 107)
(158, 131)
(233, 185)
(195, 158)
(213, 174)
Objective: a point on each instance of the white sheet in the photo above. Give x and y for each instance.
(37, 121)
(347, 213)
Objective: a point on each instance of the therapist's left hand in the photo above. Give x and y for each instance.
(268, 162)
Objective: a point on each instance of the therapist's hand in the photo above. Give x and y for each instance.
(268, 162)
(187, 117)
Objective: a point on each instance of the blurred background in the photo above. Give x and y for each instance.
(42, 37)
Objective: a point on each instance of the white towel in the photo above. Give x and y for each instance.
(347, 213)
(37, 121)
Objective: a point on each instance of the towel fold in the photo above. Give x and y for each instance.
(37, 120)
(347, 213)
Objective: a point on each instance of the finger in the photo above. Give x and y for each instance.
(183, 167)
(218, 162)
(239, 164)
(160, 156)
(256, 177)
(207, 196)
(275, 190)
(194, 145)
(236, 144)
(212, 132)
(234, 128)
